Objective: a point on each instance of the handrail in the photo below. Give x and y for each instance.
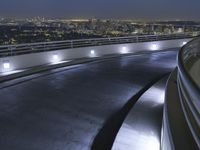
(13, 50)
(189, 91)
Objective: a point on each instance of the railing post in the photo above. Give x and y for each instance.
(156, 37)
(137, 40)
(44, 46)
(10, 50)
(72, 44)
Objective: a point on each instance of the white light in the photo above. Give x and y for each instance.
(6, 65)
(154, 47)
(92, 52)
(55, 57)
(152, 143)
(124, 50)
(184, 43)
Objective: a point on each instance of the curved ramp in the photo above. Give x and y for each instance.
(141, 129)
(67, 110)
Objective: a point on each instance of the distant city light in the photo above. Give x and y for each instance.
(6, 65)
(114, 28)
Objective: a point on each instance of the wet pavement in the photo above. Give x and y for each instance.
(67, 110)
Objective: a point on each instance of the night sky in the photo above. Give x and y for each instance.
(103, 9)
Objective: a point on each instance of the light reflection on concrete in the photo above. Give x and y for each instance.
(141, 129)
(59, 62)
(11, 72)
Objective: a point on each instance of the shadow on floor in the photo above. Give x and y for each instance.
(106, 136)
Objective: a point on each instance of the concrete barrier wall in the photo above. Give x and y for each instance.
(36, 59)
(194, 72)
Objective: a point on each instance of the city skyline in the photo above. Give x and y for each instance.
(112, 9)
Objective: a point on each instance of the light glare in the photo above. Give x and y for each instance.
(92, 52)
(55, 57)
(184, 43)
(154, 47)
(124, 50)
(6, 65)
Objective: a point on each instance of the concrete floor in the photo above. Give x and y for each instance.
(73, 109)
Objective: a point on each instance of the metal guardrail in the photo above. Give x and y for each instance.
(13, 50)
(189, 91)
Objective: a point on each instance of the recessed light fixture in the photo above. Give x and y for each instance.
(154, 47)
(6, 65)
(124, 50)
(92, 52)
